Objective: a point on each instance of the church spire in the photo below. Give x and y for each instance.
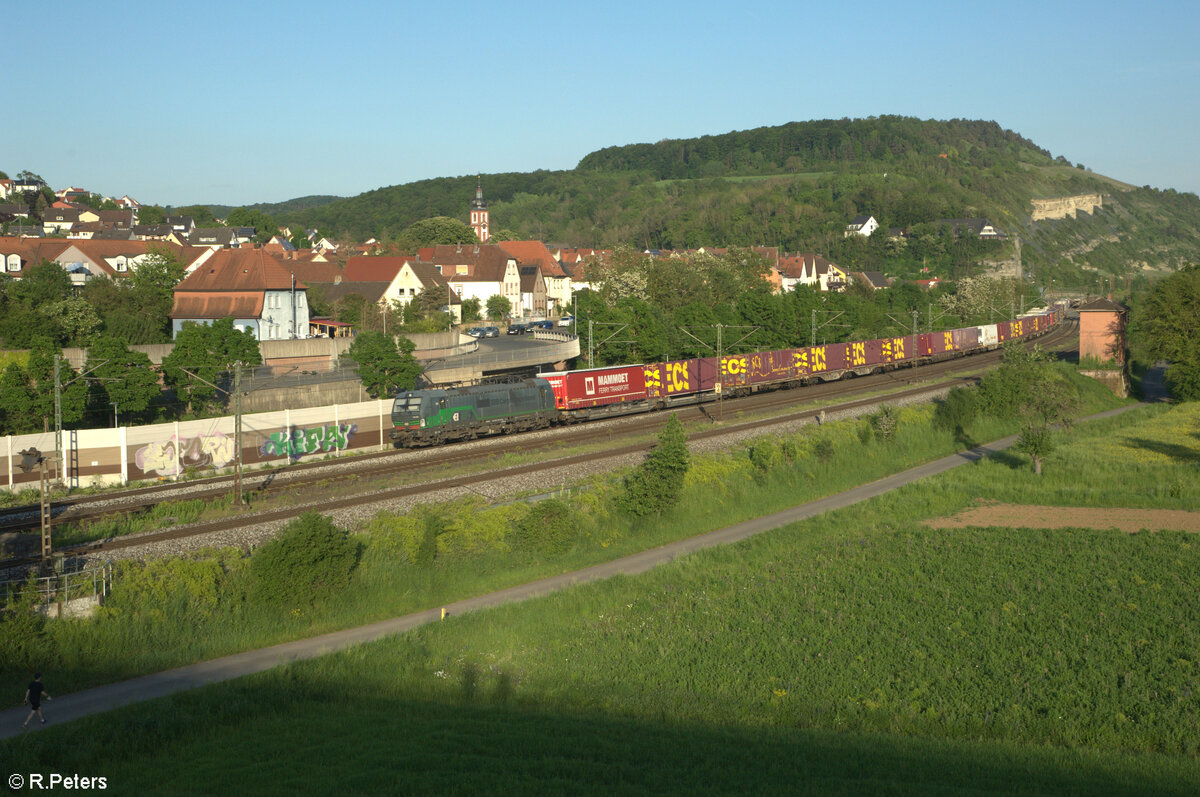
(479, 212)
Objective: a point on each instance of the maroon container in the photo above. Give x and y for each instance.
(679, 377)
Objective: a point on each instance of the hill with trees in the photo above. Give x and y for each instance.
(796, 186)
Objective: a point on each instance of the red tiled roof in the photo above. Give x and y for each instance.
(227, 304)
(239, 270)
(310, 271)
(32, 250)
(374, 269)
(484, 262)
(534, 253)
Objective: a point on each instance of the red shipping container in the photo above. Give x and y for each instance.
(1004, 331)
(597, 386)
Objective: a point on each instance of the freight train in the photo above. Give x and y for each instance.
(430, 417)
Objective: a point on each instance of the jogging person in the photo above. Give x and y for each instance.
(33, 696)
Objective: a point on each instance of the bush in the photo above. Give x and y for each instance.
(176, 589)
(1183, 380)
(309, 561)
(23, 630)
(866, 433)
(885, 422)
(549, 528)
(657, 483)
(957, 411)
(764, 456)
(823, 449)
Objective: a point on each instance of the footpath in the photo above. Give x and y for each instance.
(72, 706)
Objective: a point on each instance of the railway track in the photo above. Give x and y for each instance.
(412, 465)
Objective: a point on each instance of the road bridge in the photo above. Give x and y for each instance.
(541, 350)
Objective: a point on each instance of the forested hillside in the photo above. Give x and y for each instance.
(797, 185)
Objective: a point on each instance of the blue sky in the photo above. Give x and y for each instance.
(236, 103)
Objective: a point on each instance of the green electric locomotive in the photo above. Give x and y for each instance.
(429, 417)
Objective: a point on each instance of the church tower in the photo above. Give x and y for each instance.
(479, 213)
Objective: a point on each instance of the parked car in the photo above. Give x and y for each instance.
(566, 321)
(516, 329)
(542, 325)
(477, 332)
(491, 332)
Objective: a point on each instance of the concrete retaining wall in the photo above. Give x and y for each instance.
(167, 451)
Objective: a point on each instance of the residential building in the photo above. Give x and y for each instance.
(810, 269)
(977, 226)
(249, 286)
(558, 290)
(60, 220)
(478, 271)
(861, 225)
(874, 279)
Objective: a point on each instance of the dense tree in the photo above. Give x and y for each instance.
(264, 225)
(437, 230)
(16, 400)
(498, 307)
(1166, 322)
(27, 393)
(199, 366)
(30, 305)
(122, 377)
(385, 364)
(151, 214)
(1029, 387)
(471, 310)
(657, 484)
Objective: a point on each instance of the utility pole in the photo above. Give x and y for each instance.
(591, 325)
(237, 420)
(237, 428)
(58, 453)
(58, 389)
(720, 365)
(29, 458)
(719, 385)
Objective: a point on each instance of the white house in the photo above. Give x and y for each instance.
(861, 225)
(249, 286)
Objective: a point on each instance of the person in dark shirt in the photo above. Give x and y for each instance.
(33, 696)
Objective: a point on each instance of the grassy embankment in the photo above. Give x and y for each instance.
(857, 652)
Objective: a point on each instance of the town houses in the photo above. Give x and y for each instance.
(263, 286)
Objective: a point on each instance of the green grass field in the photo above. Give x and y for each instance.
(859, 652)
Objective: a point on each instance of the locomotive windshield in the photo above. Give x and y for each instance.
(407, 410)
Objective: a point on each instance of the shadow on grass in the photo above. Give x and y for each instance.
(1175, 451)
(1009, 458)
(301, 736)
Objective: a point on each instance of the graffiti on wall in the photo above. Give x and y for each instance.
(296, 442)
(172, 456)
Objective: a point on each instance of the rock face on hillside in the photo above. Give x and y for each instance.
(1065, 206)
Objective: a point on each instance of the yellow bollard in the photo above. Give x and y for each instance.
(444, 612)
